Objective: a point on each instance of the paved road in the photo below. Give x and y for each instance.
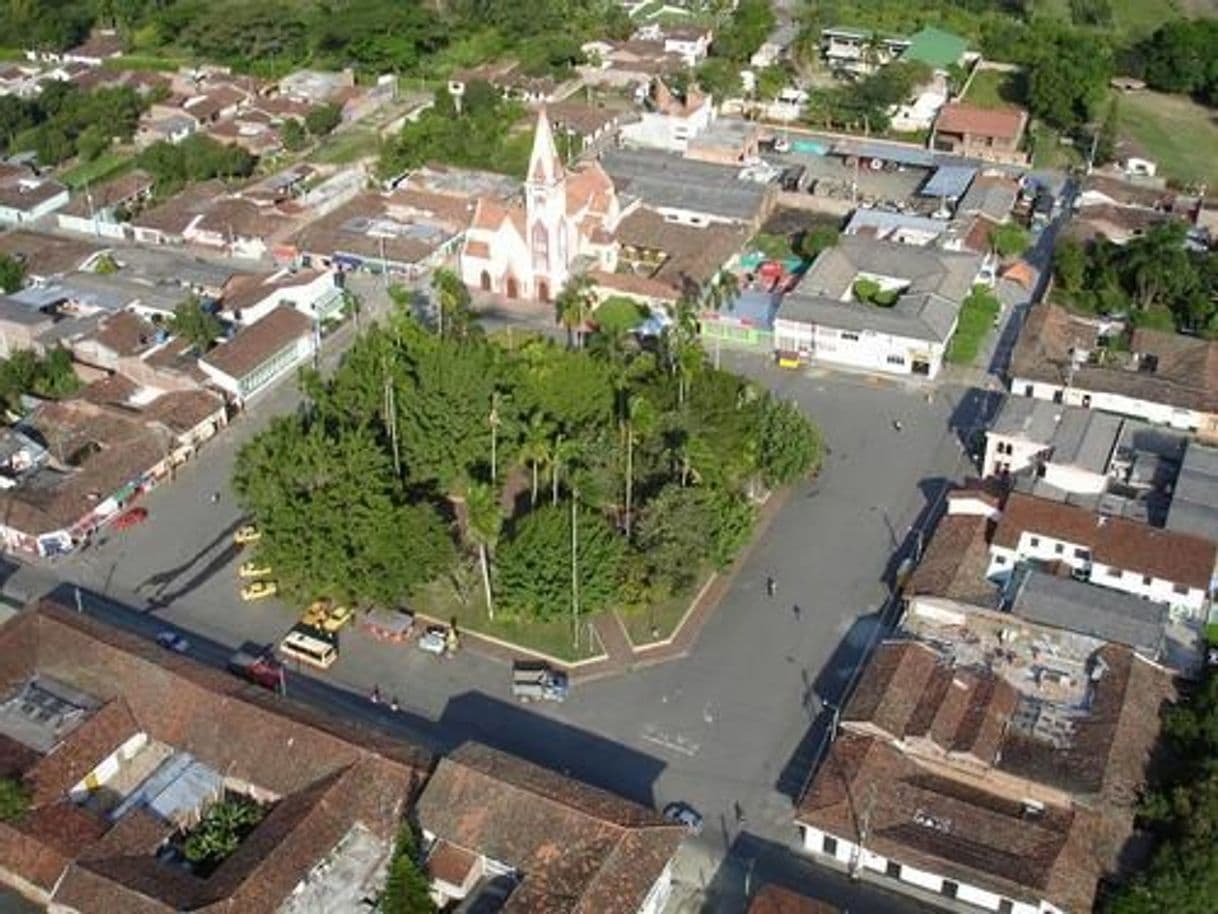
(733, 729)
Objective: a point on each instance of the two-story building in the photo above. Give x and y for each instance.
(1175, 569)
(993, 134)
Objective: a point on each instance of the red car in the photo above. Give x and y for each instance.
(131, 518)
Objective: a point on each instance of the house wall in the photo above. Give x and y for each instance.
(1075, 479)
(656, 130)
(1007, 454)
(849, 854)
(1157, 413)
(658, 895)
(101, 225)
(868, 350)
(258, 380)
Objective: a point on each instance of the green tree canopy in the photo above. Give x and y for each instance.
(790, 445)
(535, 574)
(12, 273)
(194, 323)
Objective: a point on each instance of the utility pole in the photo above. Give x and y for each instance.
(575, 567)
(391, 421)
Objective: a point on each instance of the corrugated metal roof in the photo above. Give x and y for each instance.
(949, 181)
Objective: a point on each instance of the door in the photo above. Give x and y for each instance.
(513, 288)
(485, 281)
(543, 290)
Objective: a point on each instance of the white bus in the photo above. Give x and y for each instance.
(308, 645)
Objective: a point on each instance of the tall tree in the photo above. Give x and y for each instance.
(535, 446)
(485, 520)
(640, 421)
(573, 306)
(195, 324)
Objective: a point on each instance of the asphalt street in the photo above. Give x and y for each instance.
(732, 729)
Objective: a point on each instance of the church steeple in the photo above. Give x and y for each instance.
(545, 167)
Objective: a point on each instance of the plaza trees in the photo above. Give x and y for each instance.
(362, 494)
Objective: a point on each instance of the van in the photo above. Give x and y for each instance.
(310, 645)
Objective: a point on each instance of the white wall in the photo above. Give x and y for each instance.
(656, 130)
(106, 228)
(867, 350)
(1075, 479)
(847, 853)
(1156, 413)
(1022, 454)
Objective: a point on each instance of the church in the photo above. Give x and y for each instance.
(565, 224)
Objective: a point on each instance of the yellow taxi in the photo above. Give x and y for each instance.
(247, 534)
(252, 569)
(257, 590)
(327, 616)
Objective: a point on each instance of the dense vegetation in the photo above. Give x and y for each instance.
(14, 798)
(407, 888)
(1182, 877)
(65, 120)
(651, 453)
(865, 104)
(196, 158)
(1154, 280)
(1181, 56)
(51, 377)
(478, 135)
(220, 832)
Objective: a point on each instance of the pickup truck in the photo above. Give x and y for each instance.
(538, 681)
(265, 671)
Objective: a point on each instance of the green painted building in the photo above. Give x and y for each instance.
(935, 48)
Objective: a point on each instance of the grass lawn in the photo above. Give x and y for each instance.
(653, 623)
(997, 89)
(107, 165)
(439, 600)
(346, 147)
(153, 62)
(618, 314)
(1179, 134)
(1048, 151)
(1137, 17)
(976, 321)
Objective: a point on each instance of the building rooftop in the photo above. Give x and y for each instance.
(773, 899)
(1194, 500)
(104, 849)
(1114, 541)
(1004, 124)
(666, 181)
(578, 848)
(253, 345)
(1102, 613)
(45, 256)
(406, 226)
(935, 48)
(955, 562)
(691, 255)
(1078, 437)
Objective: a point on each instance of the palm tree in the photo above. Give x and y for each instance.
(484, 521)
(535, 446)
(566, 452)
(727, 288)
(455, 319)
(574, 306)
(640, 419)
(681, 342)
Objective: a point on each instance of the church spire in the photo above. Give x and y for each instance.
(544, 165)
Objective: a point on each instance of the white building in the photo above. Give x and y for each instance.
(921, 291)
(528, 251)
(260, 354)
(858, 50)
(1070, 448)
(314, 293)
(1175, 569)
(670, 121)
(1163, 378)
(26, 196)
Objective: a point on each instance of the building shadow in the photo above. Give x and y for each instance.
(971, 415)
(469, 716)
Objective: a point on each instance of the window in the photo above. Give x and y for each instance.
(1006, 906)
(1082, 554)
(1000, 560)
(1059, 549)
(949, 889)
(896, 360)
(1181, 589)
(1034, 541)
(1146, 581)
(893, 869)
(308, 648)
(1086, 401)
(1028, 390)
(828, 844)
(1114, 572)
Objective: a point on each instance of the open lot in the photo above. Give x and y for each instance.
(1174, 131)
(997, 88)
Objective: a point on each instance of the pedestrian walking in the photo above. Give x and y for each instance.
(375, 696)
(393, 704)
(795, 610)
(771, 587)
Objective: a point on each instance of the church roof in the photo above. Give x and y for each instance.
(590, 188)
(544, 164)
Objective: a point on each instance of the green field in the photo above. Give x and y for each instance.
(104, 166)
(975, 324)
(346, 146)
(1174, 131)
(1138, 17)
(997, 89)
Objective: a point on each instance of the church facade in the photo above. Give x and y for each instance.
(565, 224)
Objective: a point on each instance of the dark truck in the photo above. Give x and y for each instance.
(262, 670)
(534, 681)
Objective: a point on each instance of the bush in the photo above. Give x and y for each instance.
(789, 444)
(977, 316)
(14, 799)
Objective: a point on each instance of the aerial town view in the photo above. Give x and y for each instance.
(609, 456)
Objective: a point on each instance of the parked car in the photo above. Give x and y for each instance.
(684, 814)
(252, 569)
(257, 590)
(262, 670)
(247, 534)
(172, 641)
(534, 681)
(327, 616)
(131, 518)
(434, 640)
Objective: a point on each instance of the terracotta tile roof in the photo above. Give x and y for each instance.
(253, 345)
(335, 776)
(692, 255)
(125, 333)
(182, 411)
(47, 255)
(775, 900)
(81, 751)
(115, 390)
(946, 826)
(1000, 123)
(955, 561)
(634, 284)
(583, 119)
(581, 850)
(450, 863)
(1115, 541)
(176, 214)
(488, 214)
(248, 290)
